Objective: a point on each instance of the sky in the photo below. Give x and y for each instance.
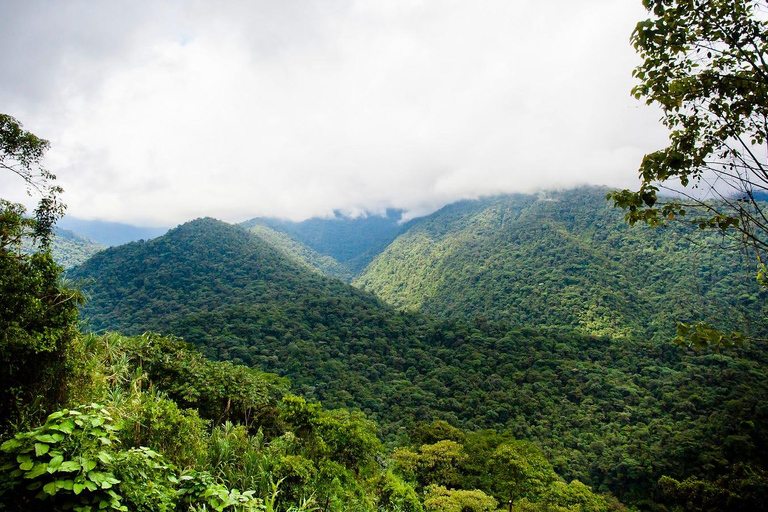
(161, 111)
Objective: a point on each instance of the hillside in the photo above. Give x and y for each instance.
(351, 241)
(300, 252)
(68, 248)
(563, 259)
(616, 413)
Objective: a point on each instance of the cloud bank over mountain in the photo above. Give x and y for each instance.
(159, 112)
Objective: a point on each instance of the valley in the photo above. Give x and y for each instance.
(547, 319)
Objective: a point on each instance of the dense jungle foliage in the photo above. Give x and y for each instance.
(566, 259)
(298, 251)
(147, 423)
(351, 241)
(620, 412)
(69, 249)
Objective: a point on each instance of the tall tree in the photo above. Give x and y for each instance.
(705, 65)
(21, 153)
(38, 315)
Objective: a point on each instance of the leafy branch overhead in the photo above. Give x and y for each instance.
(21, 153)
(704, 65)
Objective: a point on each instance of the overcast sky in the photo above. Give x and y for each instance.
(162, 111)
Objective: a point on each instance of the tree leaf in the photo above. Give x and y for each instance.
(41, 449)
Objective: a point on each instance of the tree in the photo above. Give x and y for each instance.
(705, 66)
(20, 153)
(705, 63)
(38, 315)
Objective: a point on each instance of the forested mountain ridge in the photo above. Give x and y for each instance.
(298, 251)
(563, 259)
(70, 249)
(351, 241)
(203, 266)
(618, 413)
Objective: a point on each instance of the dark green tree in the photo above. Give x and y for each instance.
(38, 315)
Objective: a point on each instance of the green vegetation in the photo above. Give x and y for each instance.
(524, 363)
(566, 259)
(299, 252)
(351, 241)
(610, 408)
(68, 249)
(147, 423)
(704, 64)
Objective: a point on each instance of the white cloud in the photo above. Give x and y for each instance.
(159, 112)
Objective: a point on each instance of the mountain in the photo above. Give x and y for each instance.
(352, 241)
(616, 412)
(300, 252)
(109, 233)
(564, 259)
(70, 249)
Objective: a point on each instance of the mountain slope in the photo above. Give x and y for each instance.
(567, 259)
(300, 252)
(352, 242)
(616, 415)
(68, 248)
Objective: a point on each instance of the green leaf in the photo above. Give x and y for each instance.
(67, 427)
(10, 445)
(78, 488)
(69, 466)
(41, 449)
(49, 438)
(36, 471)
(65, 484)
(97, 477)
(104, 457)
(54, 463)
(56, 415)
(51, 488)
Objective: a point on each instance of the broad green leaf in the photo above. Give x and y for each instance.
(104, 457)
(69, 465)
(10, 445)
(67, 427)
(41, 449)
(49, 438)
(36, 471)
(65, 484)
(97, 477)
(56, 415)
(55, 462)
